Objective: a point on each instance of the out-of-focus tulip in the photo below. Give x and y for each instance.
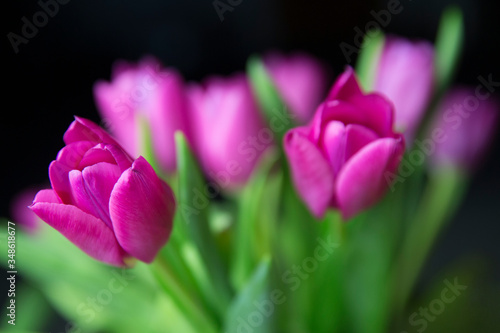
(112, 207)
(463, 128)
(340, 158)
(228, 131)
(148, 91)
(301, 81)
(20, 212)
(405, 75)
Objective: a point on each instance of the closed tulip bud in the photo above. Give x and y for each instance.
(228, 131)
(300, 79)
(146, 91)
(112, 207)
(340, 158)
(465, 124)
(405, 75)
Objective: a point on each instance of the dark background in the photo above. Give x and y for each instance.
(51, 77)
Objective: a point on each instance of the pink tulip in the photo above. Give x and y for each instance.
(466, 123)
(145, 90)
(107, 204)
(228, 131)
(340, 158)
(405, 75)
(301, 81)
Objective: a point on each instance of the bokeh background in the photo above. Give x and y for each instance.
(51, 79)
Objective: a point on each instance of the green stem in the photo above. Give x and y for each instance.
(195, 314)
(439, 201)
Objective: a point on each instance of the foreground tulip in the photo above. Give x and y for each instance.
(340, 158)
(148, 91)
(405, 75)
(107, 204)
(301, 81)
(463, 129)
(228, 130)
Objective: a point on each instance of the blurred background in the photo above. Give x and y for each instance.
(50, 79)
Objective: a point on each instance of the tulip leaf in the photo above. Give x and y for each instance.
(246, 239)
(367, 62)
(268, 97)
(449, 43)
(253, 307)
(193, 202)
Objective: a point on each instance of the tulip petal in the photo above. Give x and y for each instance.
(59, 181)
(87, 232)
(141, 209)
(72, 154)
(334, 144)
(47, 196)
(82, 129)
(361, 182)
(311, 172)
(345, 86)
(357, 137)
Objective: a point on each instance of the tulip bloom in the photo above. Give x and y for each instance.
(145, 90)
(340, 158)
(107, 204)
(301, 81)
(228, 131)
(466, 125)
(405, 75)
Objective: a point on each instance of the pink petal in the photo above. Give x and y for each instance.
(334, 144)
(72, 154)
(87, 232)
(345, 87)
(357, 137)
(59, 181)
(311, 173)
(85, 130)
(361, 182)
(142, 209)
(46, 196)
(95, 155)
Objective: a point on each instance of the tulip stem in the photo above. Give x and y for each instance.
(439, 200)
(195, 314)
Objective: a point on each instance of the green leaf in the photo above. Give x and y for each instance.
(268, 97)
(366, 64)
(193, 211)
(253, 308)
(250, 235)
(449, 42)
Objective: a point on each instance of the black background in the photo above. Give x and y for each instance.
(51, 77)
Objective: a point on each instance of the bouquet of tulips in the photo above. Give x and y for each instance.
(271, 201)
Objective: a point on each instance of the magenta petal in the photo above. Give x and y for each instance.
(141, 209)
(85, 130)
(361, 182)
(87, 232)
(59, 181)
(311, 173)
(345, 86)
(378, 110)
(95, 155)
(334, 144)
(357, 137)
(72, 154)
(46, 196)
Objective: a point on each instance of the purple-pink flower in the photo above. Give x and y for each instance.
(148, 91)
(340, 158)
(405, 75)
(109, 205)
(466, 124)
(229, 133)
(301, 81)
